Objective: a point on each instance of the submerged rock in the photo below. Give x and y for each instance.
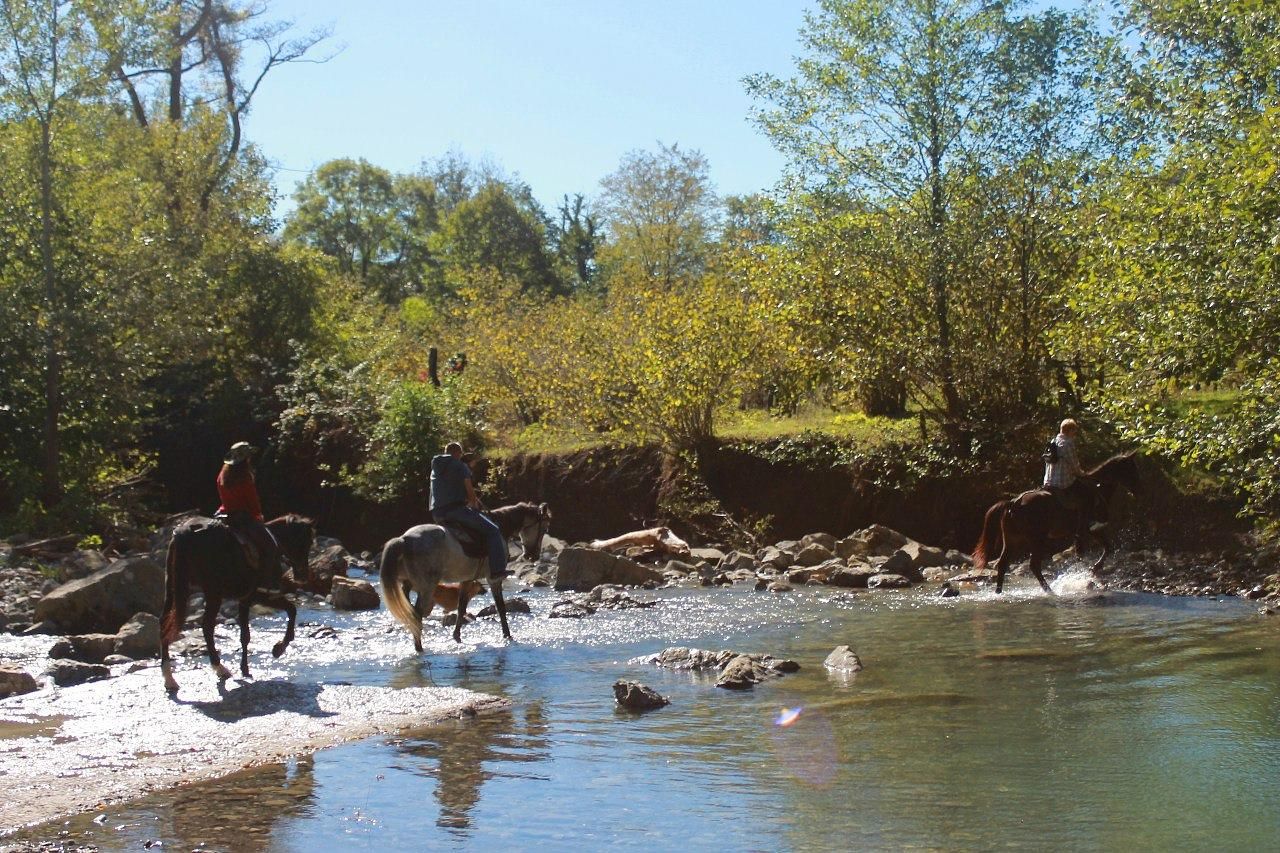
(843, 659)
(635, 696)
(887, 581)
(514, 605)
(744, 671)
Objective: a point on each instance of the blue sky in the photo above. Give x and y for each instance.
(555, 91)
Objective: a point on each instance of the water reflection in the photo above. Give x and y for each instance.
(463, 755)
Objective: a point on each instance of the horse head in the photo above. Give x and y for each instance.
(295, 535)
(534, 526)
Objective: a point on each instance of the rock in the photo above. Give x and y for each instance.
(937, 574)
(709, 555)
(798, 576)
(118, 660)
(583, 569)
(876, 541)
(843, 659)
(780, 586)
(812, 555)
(682, 657)
(826, 540)
(677, 567)
(949, 590)
(851, 577)
(887, 581)
(924, 556)
(38, 629)
(635, 696)
(514, 605)
(775, 557)
(106, 599)
(900, 563)
(139, 637)
(81, 564)
(85, 648)
(958, 558)
(721, 579)
(332, 562)
(15, 682)
(975, 576)
(736, 561)
(67, 673)
(744, 671)
(569, 610)
(352, 594)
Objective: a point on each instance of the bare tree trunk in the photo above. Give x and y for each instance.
(51, 488)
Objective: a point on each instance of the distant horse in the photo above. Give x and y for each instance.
(205, 553)
(1036, 524)
(428, 554)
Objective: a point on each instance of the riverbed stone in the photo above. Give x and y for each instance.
(635, 696)
(679, 567)
(924, 556)
(570, 610)
(774, 557)
(685, 657)
(886, 580)
(937, 574)
(514, 605)
(744, 671)
(15, 681)
(708, 555)
(843, 659)
(105, 600)
(975, 576)
(139, 637)
(876, 541)
(826, 540)
(68, 673)
(86, 648)
(331, 562)
(737, 561)
(780, 586)
(813, 554)
(353, 594)
(81, 563)
(585, 568)
(851, 577)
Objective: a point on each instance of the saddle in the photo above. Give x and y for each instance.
(473, 545)
(252, 556)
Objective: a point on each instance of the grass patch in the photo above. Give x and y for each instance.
(544, 439)
(853, 427)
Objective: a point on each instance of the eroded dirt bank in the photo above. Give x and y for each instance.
(65, 751)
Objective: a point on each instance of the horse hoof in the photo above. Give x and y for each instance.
(222, 671)
(276, 650)
(171, 687)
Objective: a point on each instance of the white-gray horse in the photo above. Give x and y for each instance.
(427, 554)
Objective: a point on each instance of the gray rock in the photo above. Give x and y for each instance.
(826, 540)
(106, 599)
(331, 562)
(85, 648)
(81, 564)
(569, 610)
(958, 558)
(677, 567)
(585, 568)
(948, 590)
(852, 577)
(744, 671)
(514, 605)
(117, 660)
(682, 657)
(353, 594)
(780, 586)
(813, 554)
(67, 673)
(924, 556)
(15, 682)
(709, 555)
(887, 581)
(736, 561)
(975, 576)
(937, 574)
(798, 576)
(139, 637)
(876, 541)
(635, 696)
(843, 659)
(900, 563)
(775, 557)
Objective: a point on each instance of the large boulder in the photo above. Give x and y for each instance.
(14, 681)
(331, 562)
(874, 541)
(924, 556)
(584, 569)
(139, 637)
(107, 598)
(86, 648)
(353, 594)
(813, 554)
(826, 540)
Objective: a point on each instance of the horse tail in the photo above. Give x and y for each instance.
(177, 588)
(991, 542)
(391, 568)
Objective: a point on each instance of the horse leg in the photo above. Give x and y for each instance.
(1106, 549)
(1037, 559)
(166, 667)
(242, 616)
(212, 603)
(495, 587)
(463, 599)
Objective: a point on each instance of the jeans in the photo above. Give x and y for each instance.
(465, 516)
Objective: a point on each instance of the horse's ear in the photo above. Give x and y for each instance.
(544, 510)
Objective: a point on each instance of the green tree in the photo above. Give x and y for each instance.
(661, 214)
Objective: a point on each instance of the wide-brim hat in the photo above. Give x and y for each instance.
(239, 452)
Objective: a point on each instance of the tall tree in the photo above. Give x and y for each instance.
(661, 214)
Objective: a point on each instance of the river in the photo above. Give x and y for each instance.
(1125, 721)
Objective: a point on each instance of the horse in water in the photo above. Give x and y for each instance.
(428, 554)
(1036, 524)
(205, 553)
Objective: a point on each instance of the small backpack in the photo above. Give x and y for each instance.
(1050, 455)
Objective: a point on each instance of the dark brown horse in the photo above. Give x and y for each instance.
(1036, 524)
(205, 553)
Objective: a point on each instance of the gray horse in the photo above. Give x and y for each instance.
(427, 554)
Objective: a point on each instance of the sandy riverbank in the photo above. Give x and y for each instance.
(69, 750)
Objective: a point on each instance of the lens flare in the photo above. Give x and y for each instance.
(787, 717)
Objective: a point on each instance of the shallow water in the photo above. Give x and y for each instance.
(978, 722)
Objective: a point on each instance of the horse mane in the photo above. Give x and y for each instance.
(522, 509)
(1115, 459)
(292, 518)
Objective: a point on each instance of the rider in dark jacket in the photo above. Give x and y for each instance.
(453, 499)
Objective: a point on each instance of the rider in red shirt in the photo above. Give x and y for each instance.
(242, 508)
